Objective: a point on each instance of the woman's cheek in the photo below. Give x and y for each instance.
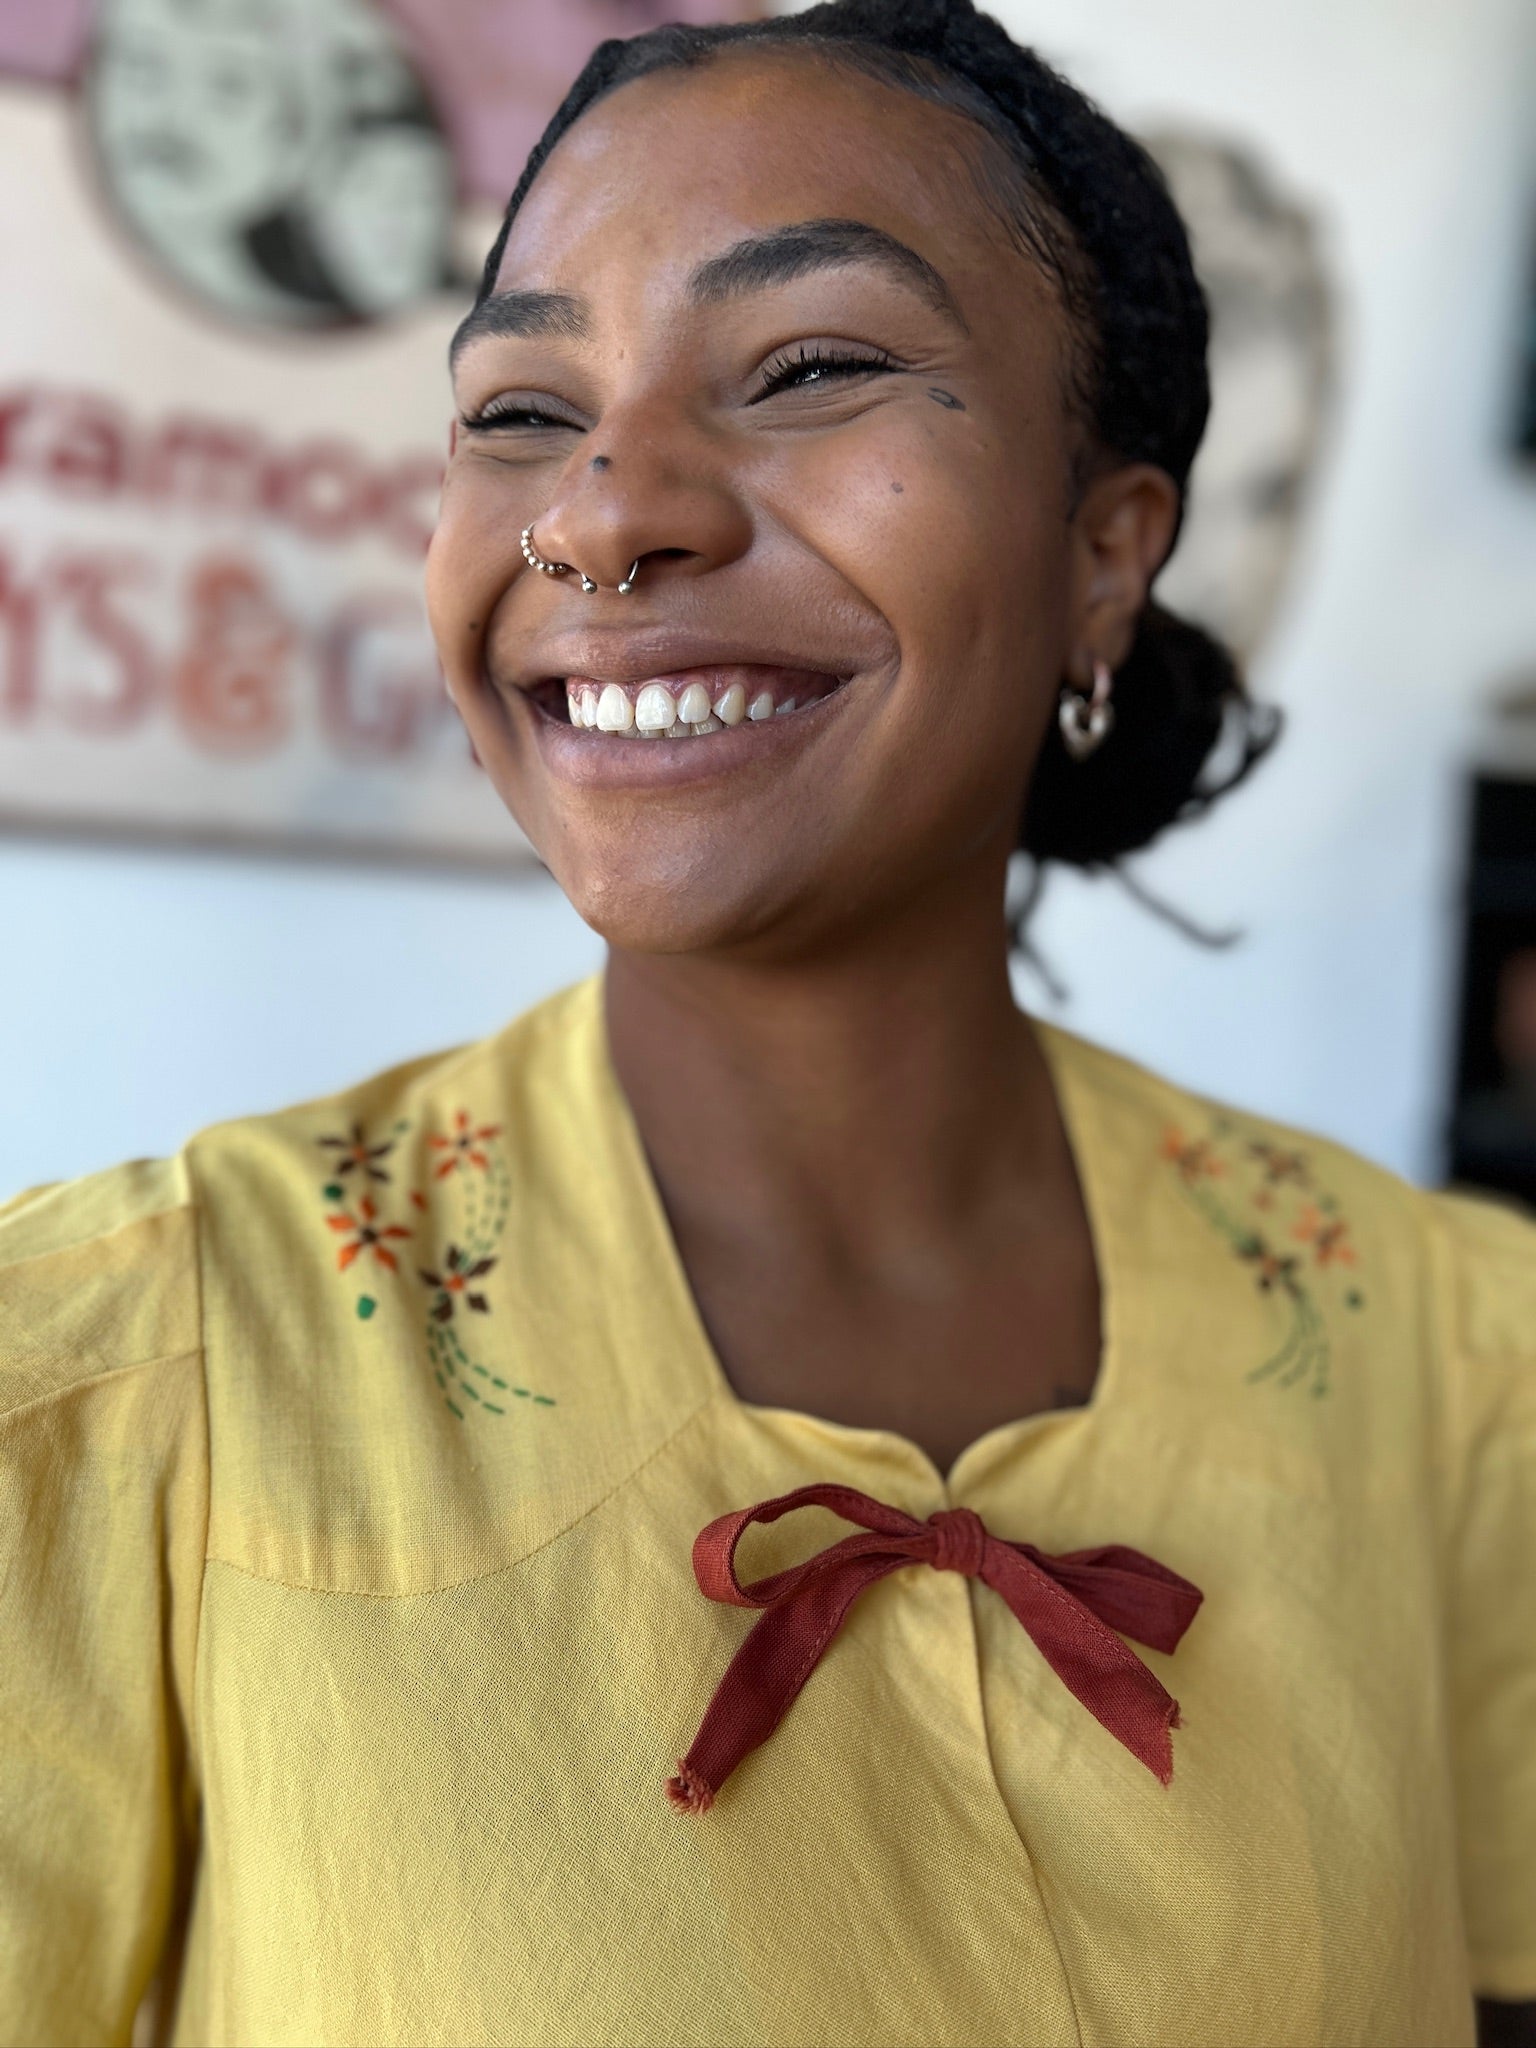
(467, 572)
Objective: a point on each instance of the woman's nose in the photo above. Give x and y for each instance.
(657, 500)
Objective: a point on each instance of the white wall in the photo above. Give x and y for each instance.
(148, 993)
(1412, 124)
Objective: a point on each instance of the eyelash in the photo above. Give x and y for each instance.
(496, 415)
(807, 366)
(783, 372)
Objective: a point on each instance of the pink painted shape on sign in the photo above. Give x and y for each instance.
(499, 68)
(44, 39)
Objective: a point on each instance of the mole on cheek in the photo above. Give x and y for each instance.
(946, 399)
(898, 488)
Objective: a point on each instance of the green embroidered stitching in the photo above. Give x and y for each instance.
(1280, 1184)
(473, 1161)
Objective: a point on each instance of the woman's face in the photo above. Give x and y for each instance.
(889, 544)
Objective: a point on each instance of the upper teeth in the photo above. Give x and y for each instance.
(656, 710)
(615, 713)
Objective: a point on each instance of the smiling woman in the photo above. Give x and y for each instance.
(385, 1471)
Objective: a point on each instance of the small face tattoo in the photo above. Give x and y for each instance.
(946, 399)
(602, 462)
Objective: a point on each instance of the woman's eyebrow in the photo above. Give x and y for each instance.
(755, 264)
(526, 314)
(761, 261)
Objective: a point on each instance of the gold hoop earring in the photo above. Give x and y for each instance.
(1087, 719)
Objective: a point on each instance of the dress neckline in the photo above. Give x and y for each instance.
(660, 1265)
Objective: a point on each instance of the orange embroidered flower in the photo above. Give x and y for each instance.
(463, 1147)
(367, 1235)
(1194, 1157)
(357, 1152)
(1328, 1237)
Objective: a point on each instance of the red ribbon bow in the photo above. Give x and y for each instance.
(1070, 1605)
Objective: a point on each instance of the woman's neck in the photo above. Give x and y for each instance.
(867, 1175)
(886, 1089)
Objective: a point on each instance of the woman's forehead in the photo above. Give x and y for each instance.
(680, 165)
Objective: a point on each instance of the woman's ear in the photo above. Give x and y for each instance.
(1124, 527)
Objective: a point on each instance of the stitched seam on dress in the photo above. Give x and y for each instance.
(92, 1237)
(512, 1564)
(1013, 1826)
(97, 1379)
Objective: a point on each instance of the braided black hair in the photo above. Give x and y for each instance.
(1089, 205)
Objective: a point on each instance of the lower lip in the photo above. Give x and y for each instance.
(589, 759)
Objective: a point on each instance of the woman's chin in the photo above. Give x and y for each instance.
(640, 915)
(668, 910)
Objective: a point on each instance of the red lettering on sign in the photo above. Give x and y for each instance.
(231, 686)
(13, 411)
(375, 697)
(19, 622)
(79, 444)
(87, 584)
(204, 463)
(322, 489)
(87, 455)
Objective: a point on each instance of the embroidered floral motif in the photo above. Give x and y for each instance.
(467, 1190)
(464, 1148)
(1301, 1254)
(367, 1234)
(357, 1152)
(452, 1284)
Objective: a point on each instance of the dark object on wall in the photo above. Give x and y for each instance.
(1525, 404)
(1492, 1126)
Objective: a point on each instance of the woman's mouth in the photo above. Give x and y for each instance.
(686, 704)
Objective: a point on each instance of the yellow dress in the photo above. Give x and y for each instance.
(351, 1463)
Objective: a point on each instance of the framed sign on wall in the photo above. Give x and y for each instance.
(239, 234)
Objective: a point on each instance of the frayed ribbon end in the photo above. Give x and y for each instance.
(688, 1792)
(1163, 1768)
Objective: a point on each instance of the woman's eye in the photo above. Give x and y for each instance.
(503, 413)
(807, 368)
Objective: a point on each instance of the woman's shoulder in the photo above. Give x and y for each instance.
(508, 1070)
(1302, 1211)
(1152, 1117)
(119, 1268)
(97, 1276)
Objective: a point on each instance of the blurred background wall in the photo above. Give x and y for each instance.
(152, 988)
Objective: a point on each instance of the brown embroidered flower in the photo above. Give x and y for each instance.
(357, 1152)
(453, 1283)
(1279, 1165)
(1272, 1269)
(367, 1235)
(463, 1147)
(1328, 1237)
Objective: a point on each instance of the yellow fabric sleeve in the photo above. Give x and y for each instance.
(1487, 1260)
(103, 1520)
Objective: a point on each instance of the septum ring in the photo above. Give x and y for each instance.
(535, 560)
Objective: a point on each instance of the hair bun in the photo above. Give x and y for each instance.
(1177, 694)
